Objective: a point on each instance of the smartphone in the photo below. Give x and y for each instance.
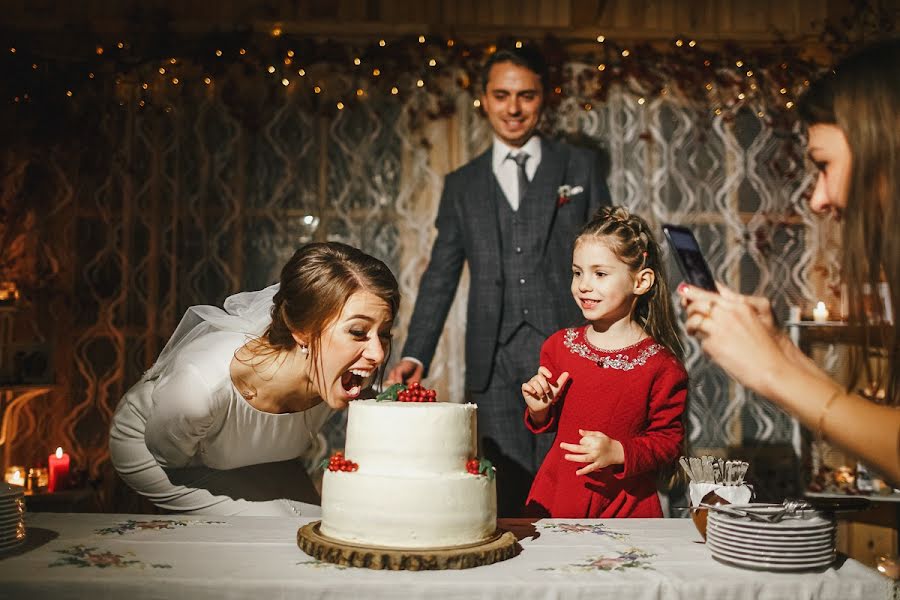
(689, 257)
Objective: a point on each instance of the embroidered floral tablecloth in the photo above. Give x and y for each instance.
(144, 556)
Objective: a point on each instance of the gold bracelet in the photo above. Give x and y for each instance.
(825, 409)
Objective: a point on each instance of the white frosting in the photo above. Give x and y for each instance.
(411, 489)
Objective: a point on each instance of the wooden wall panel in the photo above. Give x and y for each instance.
(647, 19)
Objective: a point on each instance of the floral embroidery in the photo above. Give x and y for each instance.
(619, 361)
(593, 528)
(565, 192)
(132, 525)
(83, 556)
(633, 558)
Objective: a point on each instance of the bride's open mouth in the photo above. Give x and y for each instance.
(353, 381)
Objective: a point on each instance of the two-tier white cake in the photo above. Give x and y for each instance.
(410, 487)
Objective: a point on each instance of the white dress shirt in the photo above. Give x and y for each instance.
(507, 172)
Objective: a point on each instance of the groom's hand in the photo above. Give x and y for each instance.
(406, 371)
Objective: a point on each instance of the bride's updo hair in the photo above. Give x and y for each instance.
(316, 283)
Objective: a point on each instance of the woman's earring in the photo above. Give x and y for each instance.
(304, 349)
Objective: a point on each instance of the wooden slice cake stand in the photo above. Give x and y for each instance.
(500, 546)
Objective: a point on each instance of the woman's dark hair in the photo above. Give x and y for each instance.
(861, 96)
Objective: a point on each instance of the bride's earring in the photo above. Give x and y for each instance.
(304, 349)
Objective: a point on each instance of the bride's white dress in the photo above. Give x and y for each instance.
(188, 441)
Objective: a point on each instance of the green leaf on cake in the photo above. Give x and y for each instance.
(390, 394)
(486, 467)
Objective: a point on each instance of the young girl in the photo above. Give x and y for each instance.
(614, 390)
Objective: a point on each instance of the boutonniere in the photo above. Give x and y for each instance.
(565, 192)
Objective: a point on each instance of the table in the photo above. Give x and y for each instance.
(89, 555)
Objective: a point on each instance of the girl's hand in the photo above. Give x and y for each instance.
(595, 448)
(540, 392)
(737, 332)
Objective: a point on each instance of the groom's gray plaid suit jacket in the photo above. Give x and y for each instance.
(468, 231)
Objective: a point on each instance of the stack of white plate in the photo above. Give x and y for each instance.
(12, 516)
(802, 540)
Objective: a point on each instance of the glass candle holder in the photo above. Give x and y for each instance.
(15, 475)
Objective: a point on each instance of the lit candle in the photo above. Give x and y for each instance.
(58, 467)
(15, 476)
(820, 313)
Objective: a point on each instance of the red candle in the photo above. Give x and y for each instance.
(58, 468)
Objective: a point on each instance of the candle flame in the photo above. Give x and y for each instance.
(17, 474)
(59, 452)
(820, 306)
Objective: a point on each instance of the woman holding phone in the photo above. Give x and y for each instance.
(853, 120)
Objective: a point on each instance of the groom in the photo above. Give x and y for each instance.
(510, 216)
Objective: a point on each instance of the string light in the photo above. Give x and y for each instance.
(376, 72)
(420, 83)
(749, 73)
(356, 61)
(270, 69)
(394, 91)
(588, 106)
(69, 93)
(450, 43)
(783, 90)
(34, 66)
(90, 75)
(99, 50)
(692, 43)
(174, 81)
(601, 67)
(120, 45)
(276, 31)
(301, 72)
(518, 44)
(360, 92)
(476, 103)
(626, 53)
(432, 63)
(218, 53)
(317, 90)
(145, 85)
(288, 61)
(709, 86)
(340, 106)
(739, 64)
(421, 39)
(242, 52)
(790, 105)
(285, 82)
(601, 38)
(290, 53)
(641, 100)
(382, 43)
(679, 43)
(162, 71)
(207, 80)
(12, 50)
(741, 96)
(173, 61)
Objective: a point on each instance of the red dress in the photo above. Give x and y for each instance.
(635, 395)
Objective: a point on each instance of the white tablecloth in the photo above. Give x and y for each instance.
(143, 556)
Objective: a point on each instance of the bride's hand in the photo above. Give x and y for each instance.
(737, 332)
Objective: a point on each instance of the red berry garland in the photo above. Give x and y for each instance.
(472, 466)
(337, 462)
(416, 393)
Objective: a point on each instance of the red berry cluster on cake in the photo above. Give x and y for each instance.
(414, 481)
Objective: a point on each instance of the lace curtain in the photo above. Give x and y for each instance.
(187, 206)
